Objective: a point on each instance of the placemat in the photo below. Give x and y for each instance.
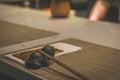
(11, 33)
(94, 61)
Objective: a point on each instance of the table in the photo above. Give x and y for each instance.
(100, 33)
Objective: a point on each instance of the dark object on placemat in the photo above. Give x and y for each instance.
(13, 33)
(38, 60)
(49, 49)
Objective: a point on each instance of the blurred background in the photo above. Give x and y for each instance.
(81, 7)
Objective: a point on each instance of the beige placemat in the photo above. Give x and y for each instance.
(94, 61)
(12, 33)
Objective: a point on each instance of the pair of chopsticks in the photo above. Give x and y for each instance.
(64, 66)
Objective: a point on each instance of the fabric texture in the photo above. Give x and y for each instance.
(11, 33)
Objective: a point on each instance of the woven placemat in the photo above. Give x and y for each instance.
(94, 61)
(13, 33)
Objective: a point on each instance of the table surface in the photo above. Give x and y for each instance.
(102, 33)
(94, 61)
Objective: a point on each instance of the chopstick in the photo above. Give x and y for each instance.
(64, 66)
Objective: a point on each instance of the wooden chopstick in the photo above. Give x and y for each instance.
(64, 66)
